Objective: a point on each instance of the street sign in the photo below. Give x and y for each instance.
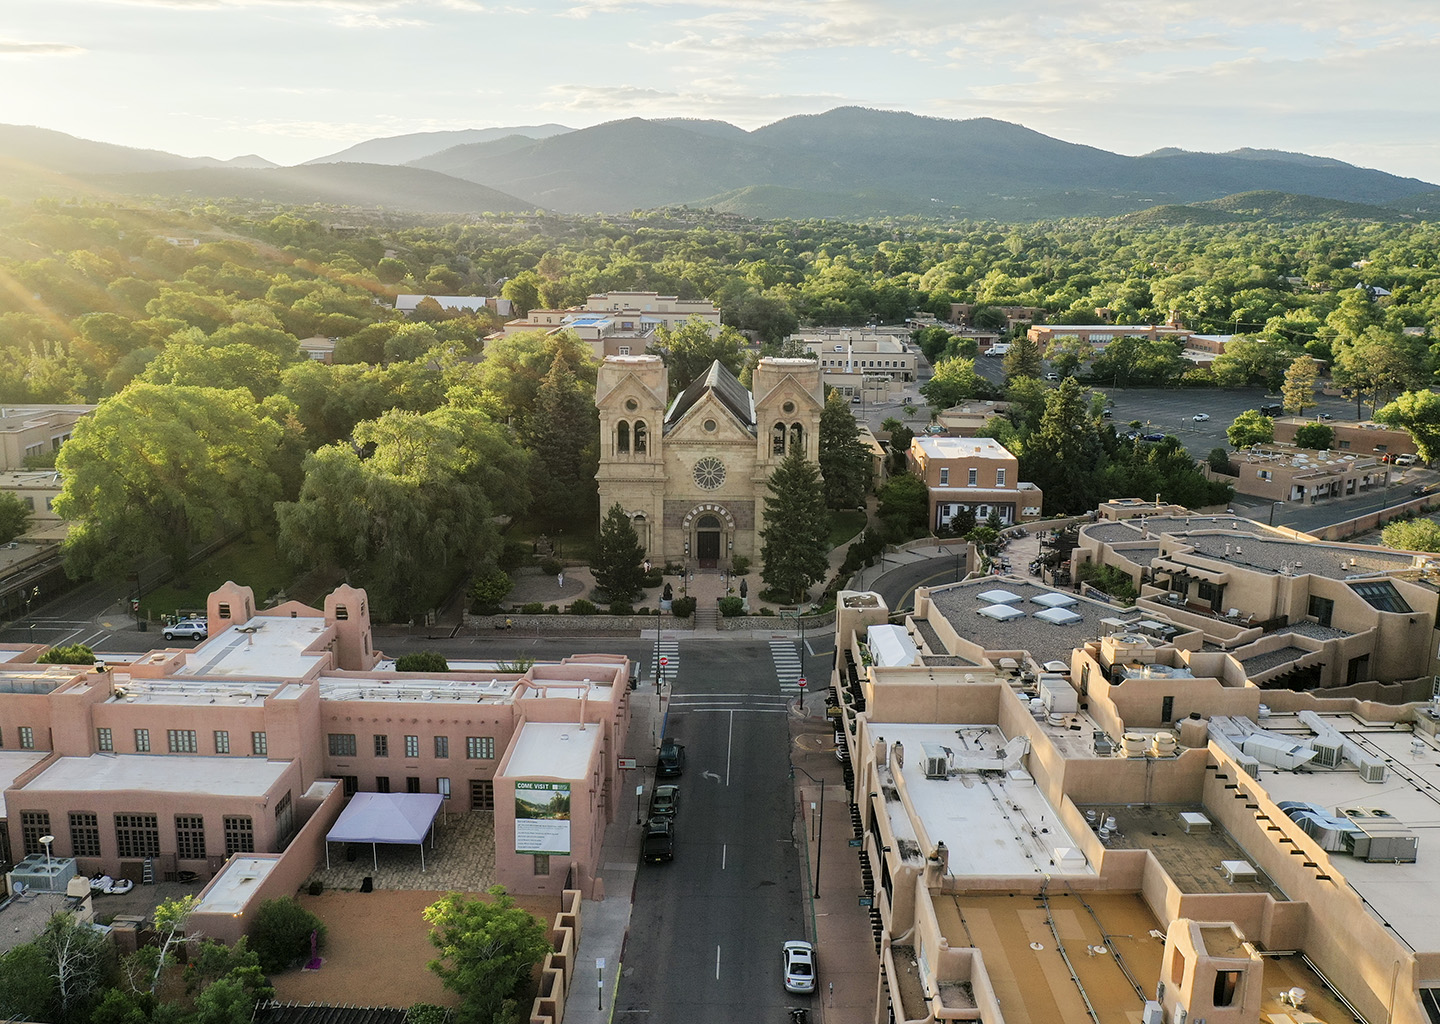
(627, 763)
(800, 682)
(867, 901)
(664, 661)
(856, 843)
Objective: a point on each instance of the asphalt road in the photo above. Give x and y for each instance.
(707, 927)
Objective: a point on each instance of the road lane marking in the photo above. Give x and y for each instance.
(717, 963)
(729, 747)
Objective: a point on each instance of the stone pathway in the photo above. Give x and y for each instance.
(463, 859)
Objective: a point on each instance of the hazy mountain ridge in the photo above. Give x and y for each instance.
(404, 149)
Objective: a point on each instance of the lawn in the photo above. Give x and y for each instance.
(575, 542)
(251, 561)
(845, 525)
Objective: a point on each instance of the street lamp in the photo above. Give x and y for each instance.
(819, 828)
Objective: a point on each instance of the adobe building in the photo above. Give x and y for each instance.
(976, 474)
(692, 474)
(1282, 473)
(36, 430)
(1363, 439)
(619, 323)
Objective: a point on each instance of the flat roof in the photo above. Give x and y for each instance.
(13, 764)
(561, 750)
(160, 773)
(939, 447)
(266, 646)
(133, 690)
(232, 889)
(992, 823)
(1402, 896)
(478, 689)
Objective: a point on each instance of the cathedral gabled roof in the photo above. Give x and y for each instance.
(726, 388)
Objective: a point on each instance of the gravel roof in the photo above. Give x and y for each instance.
(1272, 659)
(1315, 558)
(1314, 630)
(1045, 641)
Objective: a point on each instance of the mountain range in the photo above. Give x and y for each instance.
(849, 163)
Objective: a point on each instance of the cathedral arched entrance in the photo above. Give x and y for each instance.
(709, 535)
(707, 541)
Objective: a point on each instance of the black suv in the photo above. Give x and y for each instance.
(671, 762)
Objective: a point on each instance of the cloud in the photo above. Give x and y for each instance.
(9, 48)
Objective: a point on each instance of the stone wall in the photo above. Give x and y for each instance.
(598, 624)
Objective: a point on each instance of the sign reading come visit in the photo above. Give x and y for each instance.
(542, 817)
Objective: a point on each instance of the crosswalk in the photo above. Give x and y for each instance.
(787, 665)
(669, 649)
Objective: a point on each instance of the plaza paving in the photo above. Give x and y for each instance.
(462, 860)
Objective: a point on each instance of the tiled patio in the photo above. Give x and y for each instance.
(462, 860)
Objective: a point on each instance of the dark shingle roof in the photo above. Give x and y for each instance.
(731, 393)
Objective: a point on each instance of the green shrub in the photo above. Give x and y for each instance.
(739, 565)
(533, 608)
(683, 607)
(653, 578)
(621, 608)
(489, 588)
(422, 661)
(580, 606)
(68, 654)
(426, 1013)
(513, 555)
(316, 887)
(280, 936)
(551, 566)
(767, 611)
(554, 609)
(731, 607)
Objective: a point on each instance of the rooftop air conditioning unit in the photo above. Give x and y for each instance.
(1328, 752)
(1153, 1013)
(937, 766)
(1372, 772)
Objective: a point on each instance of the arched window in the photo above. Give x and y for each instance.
(777, 439)
(622, 438)
(641, 437)
(797, 438)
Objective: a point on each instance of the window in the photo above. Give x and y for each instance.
(33, 825)
(1322, 608)
(382, 783)
(542, 863)
(480, 747)
(181, 741)
(222, 741)
(137, 835)
(442, 746)
(482, 795)
(258, 744)
(382, 745)
(1264, 474)
(999, 478)
(142, 741)
(27, 738)
(284, 818)
(222, 611)
(974, 478)
(944, 477)
(1167, 709)
(342, 744)
(239, 835)
(622, 438)
(84, 834)
(412, 783)
(349, 784)
(189, 837)
(412, 746)
(1382, 596)
(640, 437)
(625, 349)
(1357, 670)
(777, 439)
(442, 786)
(104, 739)
(341, 612)
(1227, 984)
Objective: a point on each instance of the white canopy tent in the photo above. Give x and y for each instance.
(374, 818)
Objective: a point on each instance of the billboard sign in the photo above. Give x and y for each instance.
(542, 817)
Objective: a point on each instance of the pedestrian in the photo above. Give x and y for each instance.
(560, 579)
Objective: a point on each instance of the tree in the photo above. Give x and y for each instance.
(281, 934)
(146, 965)
(1298, 392)
(1419, 413)
(1062, 454)
(905, 508)
(562, 436)
(900, 439)
(422, 661)
(1316, 436)
(1138, 362)
(797, 528)
(1252, 361)
(844, 460)
(1250, 427)
(688, 350)
(618, 568)
(487, 951)
(68, 654)
(510, 376)
(1023, 359)
(489, 588)
(157, 469)
(1412, 535)
(1067, 352)
(954, 381)
(14, 517)
(27, 983)
(79, 958)
(1381, 362)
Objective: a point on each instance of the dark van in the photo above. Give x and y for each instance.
(1272, 410)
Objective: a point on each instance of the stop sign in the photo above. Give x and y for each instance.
(800, 682)
(664, 660)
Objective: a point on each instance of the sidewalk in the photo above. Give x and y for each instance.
(838, 925)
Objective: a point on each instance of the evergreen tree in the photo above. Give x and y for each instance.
(844, 459)
(1060, 457)
(797, 528)
(1023, 359)
(562, 437)
(1298, 391)
(618, 569)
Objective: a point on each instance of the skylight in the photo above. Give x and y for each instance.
(1000, 597)
(1002, 612)
(1059, 616)
(1056, 600)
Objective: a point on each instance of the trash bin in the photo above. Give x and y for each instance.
(367, 884)
(142, 625)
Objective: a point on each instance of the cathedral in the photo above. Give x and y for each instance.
(691, 473)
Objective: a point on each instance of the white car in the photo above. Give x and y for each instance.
(799, 965)
(1408, 459)
(1201, 417)
(187, 629)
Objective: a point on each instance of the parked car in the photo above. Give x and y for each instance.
(187, 629)
(1272, 410)
(666, 802)
(1324, 415)
(1407, 459)
(854, 399)
(842, 749)
(659, 842)
(799, 964)
(1201, 417)
(671, 762)
(1152, 437)
(1052, 375)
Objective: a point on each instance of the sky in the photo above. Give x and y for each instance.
(290, 80)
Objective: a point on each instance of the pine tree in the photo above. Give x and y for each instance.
(1298, 392)
(561, 435)
(844, 460)
(618, 570)
(797, 528)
